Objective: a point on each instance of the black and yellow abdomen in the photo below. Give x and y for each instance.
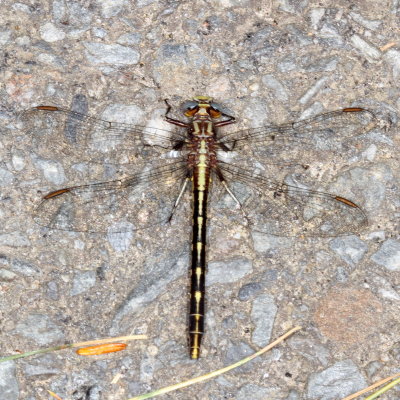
(201, 181)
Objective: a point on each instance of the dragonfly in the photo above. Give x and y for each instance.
(156, 166)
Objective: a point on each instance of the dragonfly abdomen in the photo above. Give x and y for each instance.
(201, 181)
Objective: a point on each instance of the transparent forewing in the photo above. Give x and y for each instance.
(337, 124)
(63, 131)
(138, 201)
(274, 207)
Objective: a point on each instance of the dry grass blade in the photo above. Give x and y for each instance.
(217, 372)
(383, 390)
(375, 385)
(72, 345)
(52, 394)
(101, 349)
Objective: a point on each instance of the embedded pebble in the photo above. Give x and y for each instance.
(9, 387)
(228, 271)
(265, 243)
(254, 392)
(14, 239)
(83, 281)
(392, 57)
(388, 255)
(120, 236)
(98, 53)
(369, 51)
(6, 177)
(336, 382)
(263, 315)
(351, 249)
(53, 171)
(5, 36)
(248, 290)
(41, 329)
(50, 33)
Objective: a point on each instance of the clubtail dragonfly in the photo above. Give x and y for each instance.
(157, 165)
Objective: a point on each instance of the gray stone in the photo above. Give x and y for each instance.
(372, 180)
(238, 351)
(310, 349)
(367, 49)
(127, 114)
(373, 367)
(5, 36)
(386, 288)
(129, 39)
(293, 395)
(6, 177)
(388, 255)
(254, 392)
(263, 315)
(336, 382)
(331, 34)
(249, 290)
(83, 281)
(315, 64)
(120, 236)
(51, 59)
(147, 368)
(100, 53)
(292, 6)
(366, 23)
(100, 33)
(392, 57)
(50, 33)
(14, 239)
(41, 329)
(52, 171)
(9, 388)
(18, 162)
(313, 90)
(265, 243)
(18, 266)
(22, 8)
(173, 53)
(42, 367)
(342, 274)
(351, 249)
(111, 8)
(7, 276)
(276, 87)
(228, 271)
(52, 291)
(77, 15)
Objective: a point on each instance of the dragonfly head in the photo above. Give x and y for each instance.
(201, 106)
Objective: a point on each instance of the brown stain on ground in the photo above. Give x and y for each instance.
(349, 315)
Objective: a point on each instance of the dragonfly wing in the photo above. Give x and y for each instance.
(65, 131)
(138, 201)
(334, 125)
(277, 208)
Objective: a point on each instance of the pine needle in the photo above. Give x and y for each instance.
(213, 374)
(375, 385)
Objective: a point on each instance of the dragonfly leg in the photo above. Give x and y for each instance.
(230, 120)
(229, 191)
(231, 194)
(178, 199)
(173, 120)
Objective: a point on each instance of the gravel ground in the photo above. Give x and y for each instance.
(266, 62)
